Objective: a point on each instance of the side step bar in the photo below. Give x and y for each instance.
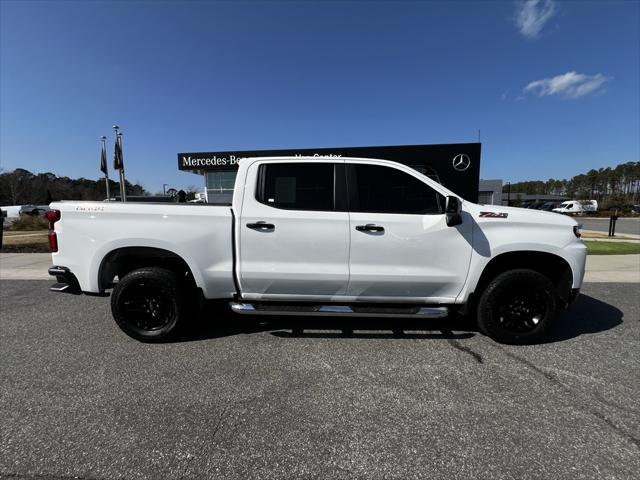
(337, 310)
(59, 287)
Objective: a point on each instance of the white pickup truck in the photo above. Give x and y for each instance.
(311, 236)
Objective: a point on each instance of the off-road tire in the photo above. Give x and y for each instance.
(149, 304)
(518, 307)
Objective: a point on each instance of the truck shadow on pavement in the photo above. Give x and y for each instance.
(294, 327)
(587, 316)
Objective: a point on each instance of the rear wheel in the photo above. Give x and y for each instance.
(148, 304)
(518, 307)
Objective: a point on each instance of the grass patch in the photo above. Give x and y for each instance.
(611, 248)
(24, 238)
(25, 242)
(28, 223)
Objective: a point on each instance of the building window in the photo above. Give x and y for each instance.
(221, 181)
(220, 185)
(485, 198)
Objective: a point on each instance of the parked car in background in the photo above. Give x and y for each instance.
(534, 205)
(577, 207)
(11, 211)
(548, 206)
(34, 210)
(625, 208)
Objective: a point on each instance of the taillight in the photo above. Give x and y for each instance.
(52, 216)
(53, 241)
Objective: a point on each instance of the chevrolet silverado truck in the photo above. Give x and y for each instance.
(312, 236)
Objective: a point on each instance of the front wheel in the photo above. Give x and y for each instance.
(148, 304)
(518, 307)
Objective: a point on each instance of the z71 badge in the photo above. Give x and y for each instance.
(494, 214)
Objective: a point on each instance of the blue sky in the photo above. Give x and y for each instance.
(554, 87)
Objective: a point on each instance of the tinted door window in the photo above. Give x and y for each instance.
(297, 186)
(379, 189)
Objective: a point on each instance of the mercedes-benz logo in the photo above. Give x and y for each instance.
(461, 162)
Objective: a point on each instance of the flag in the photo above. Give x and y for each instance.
(118, 161)
(103, 159)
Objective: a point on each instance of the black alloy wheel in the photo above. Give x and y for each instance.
(148, 304)
(521, 312)
(518, 307)
(147, 307)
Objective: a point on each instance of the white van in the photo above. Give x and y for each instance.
(577, 207)
(12, 211)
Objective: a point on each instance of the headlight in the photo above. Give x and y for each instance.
(577, 230)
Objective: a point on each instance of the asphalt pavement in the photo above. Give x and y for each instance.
(623, 225)
(248, 398)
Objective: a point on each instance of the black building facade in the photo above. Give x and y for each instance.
(456, 166)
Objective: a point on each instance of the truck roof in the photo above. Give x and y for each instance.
(318, 158)
(315, 159)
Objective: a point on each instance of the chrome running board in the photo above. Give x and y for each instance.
(337, 310)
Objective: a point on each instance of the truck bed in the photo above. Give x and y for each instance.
(200, 234)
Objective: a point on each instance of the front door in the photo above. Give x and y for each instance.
(401, 246)
(294, 240)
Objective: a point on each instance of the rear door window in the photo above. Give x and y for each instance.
(297, 186)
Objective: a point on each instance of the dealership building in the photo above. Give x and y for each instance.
(456, 166)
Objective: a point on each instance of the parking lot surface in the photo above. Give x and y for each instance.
(623, 225)
(248, 398)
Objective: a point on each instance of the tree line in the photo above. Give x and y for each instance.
(21, 187)
(620, 184)
(617, 185)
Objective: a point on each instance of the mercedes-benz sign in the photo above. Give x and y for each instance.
(461, 162)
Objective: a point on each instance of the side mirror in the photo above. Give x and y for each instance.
(452, 210)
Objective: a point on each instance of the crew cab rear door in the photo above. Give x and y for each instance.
(294, 231)
(401, 246)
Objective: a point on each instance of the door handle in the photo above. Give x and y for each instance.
(370, 227)
(262, 226)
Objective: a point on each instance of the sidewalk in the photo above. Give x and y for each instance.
(600, 268)
(613, 268)
(25, 266)
(595, 236)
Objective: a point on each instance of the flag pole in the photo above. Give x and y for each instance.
(104, 164)
(123, 184)
(119, 162)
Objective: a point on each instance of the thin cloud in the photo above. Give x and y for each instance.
(568, 85)
(532, 15)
